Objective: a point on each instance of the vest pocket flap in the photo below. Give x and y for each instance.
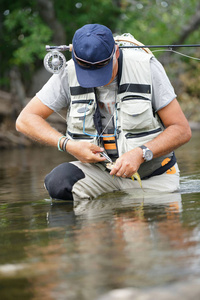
(79, 110)
(135, 108)
(80, 116)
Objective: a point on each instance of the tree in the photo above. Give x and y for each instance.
(27, 26)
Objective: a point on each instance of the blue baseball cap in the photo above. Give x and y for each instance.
(93, 51)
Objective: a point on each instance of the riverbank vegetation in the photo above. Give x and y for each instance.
(27, 26)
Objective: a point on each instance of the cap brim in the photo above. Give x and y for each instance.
(94, 77)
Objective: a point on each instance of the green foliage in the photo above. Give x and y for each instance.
(24, 34)
(27, 35)
(156, 21)
(76, 14)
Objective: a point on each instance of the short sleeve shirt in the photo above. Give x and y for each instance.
(55, 93)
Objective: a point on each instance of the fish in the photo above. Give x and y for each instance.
(136, 175)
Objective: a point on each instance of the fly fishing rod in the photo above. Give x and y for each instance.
(55, 61)
(69, 47)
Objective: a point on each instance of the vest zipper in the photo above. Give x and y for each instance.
(134, 97)
(141, 134)
(76, 136)
(83, 101)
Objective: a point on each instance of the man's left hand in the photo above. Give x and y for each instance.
(128, 164)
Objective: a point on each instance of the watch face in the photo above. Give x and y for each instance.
(148, 155)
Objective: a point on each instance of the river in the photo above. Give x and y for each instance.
(54, 250)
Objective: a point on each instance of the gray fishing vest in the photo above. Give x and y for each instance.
(136, 122)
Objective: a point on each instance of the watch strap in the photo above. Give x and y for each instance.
(143, 147)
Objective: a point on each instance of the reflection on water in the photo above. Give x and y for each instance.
(57, 250)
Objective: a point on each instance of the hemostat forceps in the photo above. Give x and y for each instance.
(104, 154)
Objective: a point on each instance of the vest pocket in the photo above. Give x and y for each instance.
(136, 114)
(81, 114)
(133, 140)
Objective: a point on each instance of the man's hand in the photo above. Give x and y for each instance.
(177, 132)
(128, 164)
(85, 152)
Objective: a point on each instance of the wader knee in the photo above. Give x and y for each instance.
(60, 180)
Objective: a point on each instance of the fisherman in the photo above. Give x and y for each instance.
(120, 103)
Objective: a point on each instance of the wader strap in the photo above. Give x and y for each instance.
(110, 145)
(97, 119)
(162, 169)
(120, 66)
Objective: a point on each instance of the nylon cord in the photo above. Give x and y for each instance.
(179, 53)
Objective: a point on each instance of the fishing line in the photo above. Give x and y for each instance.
(115, 112)
(60, 115)
(179, 53)
(107, 126)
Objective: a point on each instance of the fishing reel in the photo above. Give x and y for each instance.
(54, 60)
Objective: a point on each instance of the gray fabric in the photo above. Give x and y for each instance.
(98, 181)
(163, 91)
(55, 93)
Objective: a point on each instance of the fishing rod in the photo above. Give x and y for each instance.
(69, 47)
(55, 61)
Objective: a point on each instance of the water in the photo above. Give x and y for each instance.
(54, 251)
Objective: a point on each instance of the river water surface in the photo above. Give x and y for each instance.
(52, 250)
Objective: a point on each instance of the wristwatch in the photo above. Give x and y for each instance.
(147, 153)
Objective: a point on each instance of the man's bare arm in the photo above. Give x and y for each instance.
(177, 130)
(32, 122)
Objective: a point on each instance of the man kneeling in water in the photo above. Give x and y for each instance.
(119, 102)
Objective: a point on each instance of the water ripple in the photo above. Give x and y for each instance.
(190, 184)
